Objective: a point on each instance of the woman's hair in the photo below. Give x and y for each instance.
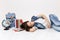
(24, 26)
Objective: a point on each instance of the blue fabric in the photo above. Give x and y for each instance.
(10, 14)
(12, 21)
(37, 24)
(54, 19)
(57, 28)
(34, 18)
(3, 22)
(55, 23)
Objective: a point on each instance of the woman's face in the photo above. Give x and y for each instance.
(30, 24)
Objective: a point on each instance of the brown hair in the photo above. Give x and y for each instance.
(24, 26)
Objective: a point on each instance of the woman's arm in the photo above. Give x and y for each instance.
(46, 20)
(33, 29)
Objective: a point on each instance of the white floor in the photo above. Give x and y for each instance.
(47, 34)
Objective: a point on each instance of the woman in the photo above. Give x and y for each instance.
(32, 26)
(29, 26)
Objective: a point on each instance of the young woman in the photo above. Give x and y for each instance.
(33, 25)
(54, 23)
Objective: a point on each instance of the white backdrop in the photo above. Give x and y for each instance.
(24, 9)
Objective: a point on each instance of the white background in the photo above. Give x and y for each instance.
(24, 9)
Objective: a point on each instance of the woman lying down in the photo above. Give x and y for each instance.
(33, 25)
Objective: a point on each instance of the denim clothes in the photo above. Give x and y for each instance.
(55, 22)
(37, 24)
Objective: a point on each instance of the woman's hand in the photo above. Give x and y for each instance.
(33, 29)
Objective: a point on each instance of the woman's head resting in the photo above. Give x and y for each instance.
(27, 25)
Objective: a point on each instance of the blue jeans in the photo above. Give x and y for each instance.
(55, 23)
